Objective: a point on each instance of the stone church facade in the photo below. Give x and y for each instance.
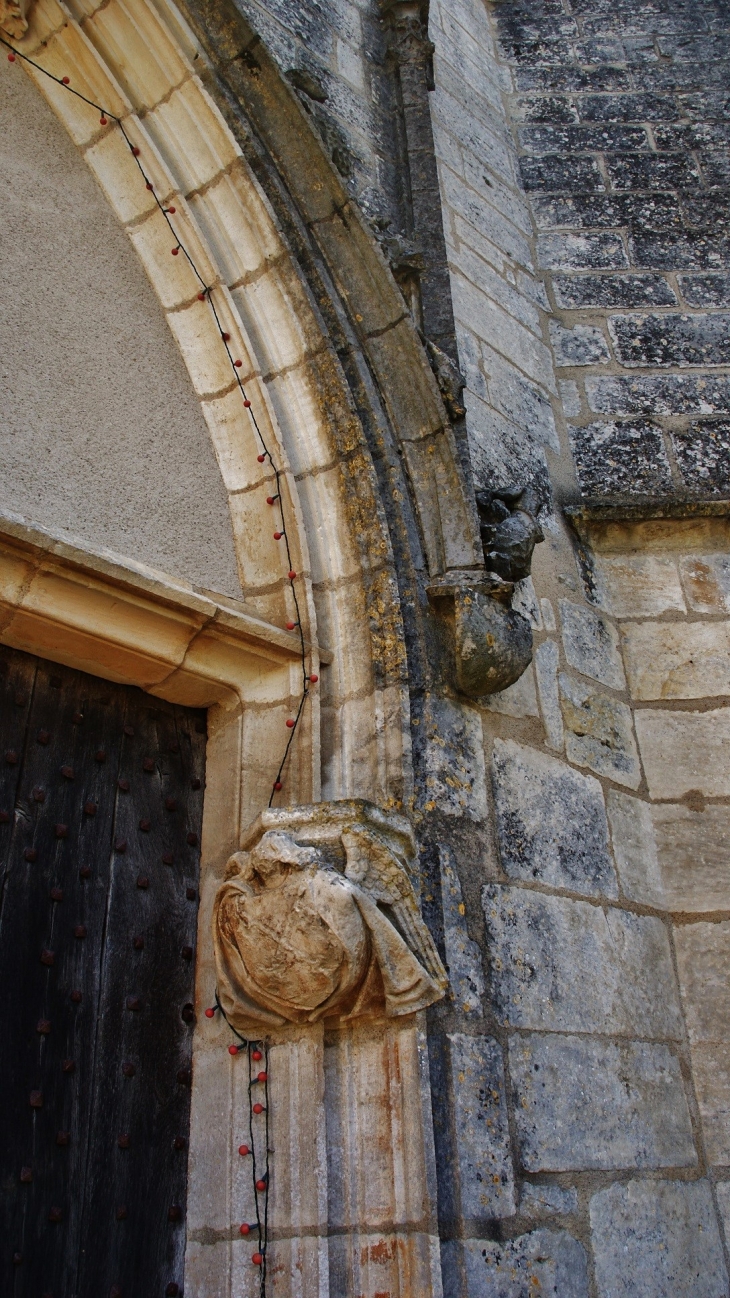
(366, 374)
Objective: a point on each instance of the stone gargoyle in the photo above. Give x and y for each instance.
(325, 929)
(509, 530)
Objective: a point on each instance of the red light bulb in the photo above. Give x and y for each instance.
(226, 337)
(262, 1077)
(258, 1108)
(247, 403)
(260, 1185)
(270, 500)
(135, 150)
(238, 364)
(175, 251)
(65, 80)
(257, 1259)
(256, 1054)
(243, 1150)
(244, 1229)
(209, 1013)
(103, 121)
(11, 58)
(278, 786)
(278, 536)
(290, 724)
(260, 458)
(290, 626)
(149, 185)
(201, 297)
(292, 575)
(233, 1050)
(171, 210)
(313, 678)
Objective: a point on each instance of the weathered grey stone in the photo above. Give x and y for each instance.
(575, 291)
(543, 1262)
(456, 777)
(703, 960)
(705, 290)
(657, 1238)
(551, 821)
(685, 750)
(463, 957)
(546, 671)
(570, 397)
(581, 345)
(671, 339)
(524, 601)
(677, 660)
(598, 732)
(722, 1189)
(703, 455)
(621, 459)
(591, 644)
(587, 1103)
(706, 581)
(566, 966)
(482, 1130)
(548, 616)
(518, 700)
(547, 1200)
(579, 251)
(662, 394)
(637, 585)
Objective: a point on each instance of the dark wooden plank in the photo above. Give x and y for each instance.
(31, 991)
(89, 1251)
(145, 1252)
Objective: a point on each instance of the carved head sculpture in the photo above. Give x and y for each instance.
(509, 530)
(297, 941)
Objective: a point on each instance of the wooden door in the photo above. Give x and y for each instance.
(101, 792)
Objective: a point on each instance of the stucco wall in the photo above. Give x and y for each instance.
(102, 435)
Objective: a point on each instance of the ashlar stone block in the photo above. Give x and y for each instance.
(637, 585)
(677, 660)
(455, 774)
(551, 822)
(463, 956)
(548, 1200)
(591, 644)
(566, 966)
(481, 1127)
(706, 581)
(542, 1262)
(656, 1238)
(685, 750)
(703, 959)
(671, 856)
(581, 1102)
(598, 732)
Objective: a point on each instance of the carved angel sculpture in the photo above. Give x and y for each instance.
(297, 941)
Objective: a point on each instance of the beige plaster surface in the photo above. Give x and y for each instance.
(101, 432)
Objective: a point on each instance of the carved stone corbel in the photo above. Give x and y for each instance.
(317, 919)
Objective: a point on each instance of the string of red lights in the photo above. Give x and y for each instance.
(256, 1051)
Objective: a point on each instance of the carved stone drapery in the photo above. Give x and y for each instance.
(318, 919)
(14, 17)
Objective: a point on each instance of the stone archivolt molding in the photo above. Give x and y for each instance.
(14, 17)
(318, 920)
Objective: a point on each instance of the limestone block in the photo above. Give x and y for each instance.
(671, 856)
(566, 966)
(454, 760)
(546, 671)
(235, 442)
(657, 1238)
(543, 1262)
(204, 353)
(703, 960)
(706, 581)
(634, 849)
(591, 644)
(685, 750)
(524, 601)
(240, 246)
(551, 822)
(589, 1103)
(599, 734)
(722, 1189)
(518, 700)
(173, 278)
(191, 134)
(282, 331)
(463, 956)
(547, 1200)
(69, 51)
(116, 170)
(582, 345)
(481, 1127)
(135, 42)
(711, 1073)
(548, 615)
(677, 660)
(644, 585)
